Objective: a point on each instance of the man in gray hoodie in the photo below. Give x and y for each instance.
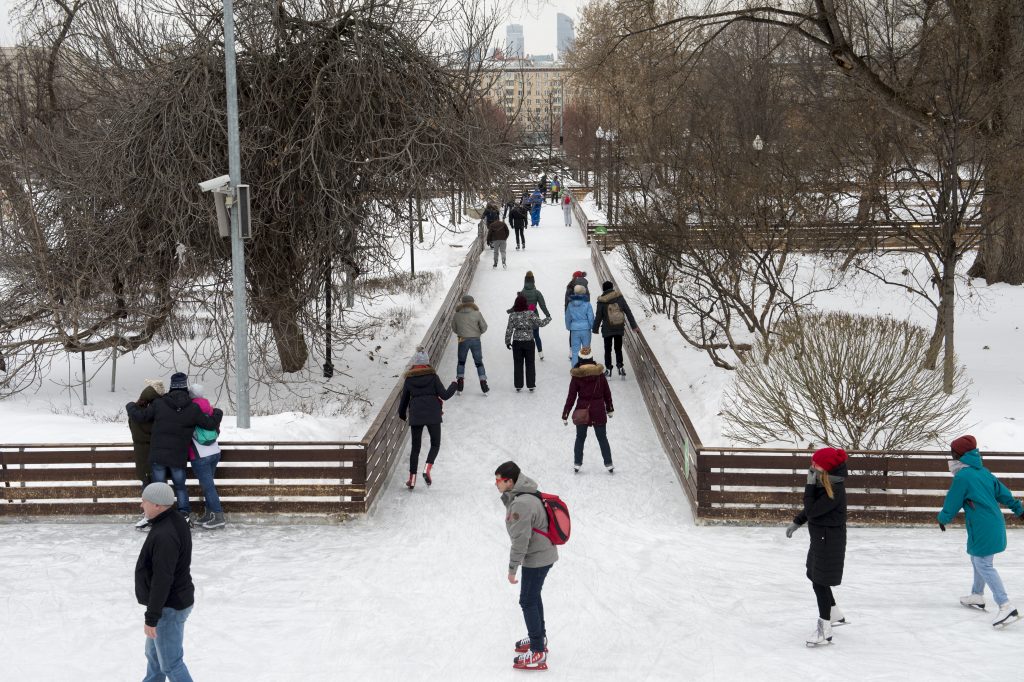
(524, 515)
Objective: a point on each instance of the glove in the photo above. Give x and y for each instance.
(942, 527)
(812, 476)
(791, 528)
(402, 417)
(508, 345)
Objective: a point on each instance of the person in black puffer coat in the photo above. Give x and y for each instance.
(175, 418)
(421, 407)
(824, 513)
(612, 331)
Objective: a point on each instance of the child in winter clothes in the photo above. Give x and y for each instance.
(204, 459)
(589, 390)
(579, 319)
(522, 322)
(525, 521)
(421, 405)
(825, 515)
(979, 494)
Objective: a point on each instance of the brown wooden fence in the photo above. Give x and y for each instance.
(323, 478)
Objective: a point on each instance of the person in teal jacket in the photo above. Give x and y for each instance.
(979, 494)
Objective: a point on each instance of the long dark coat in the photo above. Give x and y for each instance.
(142, 434)
(422, 396)
(826, 523)
(589, 388)
(174, 418)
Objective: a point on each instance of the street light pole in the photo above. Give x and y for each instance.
(599, 134)
(237, 250)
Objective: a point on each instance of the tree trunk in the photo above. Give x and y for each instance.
(1001, 251)
(291, 342)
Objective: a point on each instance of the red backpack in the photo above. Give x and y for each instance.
(567, 199)
(559, 523)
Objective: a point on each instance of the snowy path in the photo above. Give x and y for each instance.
(418, 590)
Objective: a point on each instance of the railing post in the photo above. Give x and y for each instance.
(270, 467)
(92, 464)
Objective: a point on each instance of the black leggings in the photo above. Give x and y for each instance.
(823, 593)
(417, 437)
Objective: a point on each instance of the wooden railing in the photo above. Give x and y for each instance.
(323, 478)
(762, 485)
(675, 430)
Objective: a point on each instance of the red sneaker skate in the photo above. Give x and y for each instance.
(531, 660)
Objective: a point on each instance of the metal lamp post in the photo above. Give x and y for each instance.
(599, 133)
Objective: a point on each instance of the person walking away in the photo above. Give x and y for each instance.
(497, 236)
(590, 404)
(567, 210)
(610, 318)
(536, 200)
(174, 417)
(579, 278)
(979, 494)
(579, 320)
(468, 325)
(490, 214)
(519, 339)
(824, 513)
(518, 217)
(205, 458)
(525, 521)
(535, 298)
(510, 203)
(163, 584)
(141, 435)
(422, 397)
(542, 184)
(556, 187)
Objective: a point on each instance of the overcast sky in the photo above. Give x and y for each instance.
(536, 16)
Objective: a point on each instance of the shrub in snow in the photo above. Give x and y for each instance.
(847, 380)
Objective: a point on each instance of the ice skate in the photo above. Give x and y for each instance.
(207, 516)
(142, 524)
(504, 267)
(216, 522)
(576, 468)
(1007, 614)
(608, 372)
(822, 635)
(484, 387)
(610, 468)
(975, 601)
(460, 383)
(523, 645)
(836, 617)
(622, 372)
(411, 483)
(531, 660)
(540, 355)
(519, 390)
(426, 475)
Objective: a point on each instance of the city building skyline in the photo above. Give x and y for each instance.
(514, 43)
(566, 34)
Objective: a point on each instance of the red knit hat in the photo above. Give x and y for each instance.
(578, 273)
(829, 458)
(963, 445)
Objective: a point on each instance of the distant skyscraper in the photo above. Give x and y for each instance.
(514, 41)
(566, 34)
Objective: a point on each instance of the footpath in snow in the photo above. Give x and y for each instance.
(418, 591)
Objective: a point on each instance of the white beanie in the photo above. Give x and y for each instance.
(197, 391)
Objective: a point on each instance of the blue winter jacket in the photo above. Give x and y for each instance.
(579, 316)
(979, 494)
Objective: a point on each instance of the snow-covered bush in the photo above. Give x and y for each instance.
(847, 380)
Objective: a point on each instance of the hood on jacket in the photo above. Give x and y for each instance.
(972, 458)
(148, 395)
(524, 484)
(529, 285)
(587, 368)
(582, 298)
(178, 397)
(204, 405)
(520, 305)
(420, 371)
(466, 306)
(608, 296)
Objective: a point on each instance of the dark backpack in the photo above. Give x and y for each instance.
(559, 523)
(615, 315)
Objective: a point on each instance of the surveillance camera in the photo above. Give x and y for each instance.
(215, 185)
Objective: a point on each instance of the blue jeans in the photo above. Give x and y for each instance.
(205, 468)
(985, 572)
(536, 339)
(530, 586)
(466, 346)
(177, 476)
(578, 339)
(601, 431)
(165, 655)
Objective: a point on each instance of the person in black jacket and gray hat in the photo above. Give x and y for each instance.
(421, 406)
(175, 418)
(612, 314)
(163, 584)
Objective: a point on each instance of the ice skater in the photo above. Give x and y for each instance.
(579, 319)
(979, 494)
(533, 296)
(536, 200)
(567, 210)
(612, 314)
(825, 515)
(526, 522)
(421, 405)
(522, 323)
(497, 237)
(468, 325)
(591, 395)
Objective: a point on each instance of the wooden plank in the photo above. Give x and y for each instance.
(355, 454)
(223, 473)
(132, 508)
(852, 498)
(225, 491)
(780, 480)
(854, 516)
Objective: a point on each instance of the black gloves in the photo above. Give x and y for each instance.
(508, 345)
(942, 527)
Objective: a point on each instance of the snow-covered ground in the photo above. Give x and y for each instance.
(989, 335)
(417, 591)
(309, 407)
